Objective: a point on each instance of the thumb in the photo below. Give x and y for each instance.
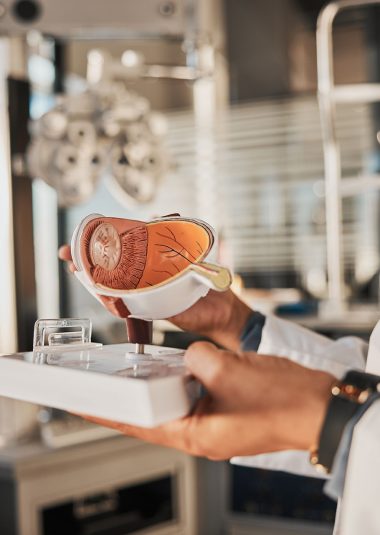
(115, 305)
(210, 365)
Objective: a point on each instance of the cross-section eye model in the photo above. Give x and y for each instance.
(124, 254)
(155, 268)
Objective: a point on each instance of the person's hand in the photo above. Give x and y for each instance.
(64, 253)
(220, 316)
(255, 404)
(113, 304)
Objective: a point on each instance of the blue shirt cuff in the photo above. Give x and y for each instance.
(250, 338)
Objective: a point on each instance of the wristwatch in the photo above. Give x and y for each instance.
(347, 396)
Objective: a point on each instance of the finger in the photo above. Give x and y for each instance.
(115, 305)
(210, 365)
(64, 253)
(126, 429)
(180, 434)
(99, 421)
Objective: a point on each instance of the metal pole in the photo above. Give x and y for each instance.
(335, 264)
(327, 94)
(8, 319)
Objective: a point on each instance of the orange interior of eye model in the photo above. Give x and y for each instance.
(124, 254)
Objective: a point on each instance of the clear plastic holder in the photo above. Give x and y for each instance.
(67, 334)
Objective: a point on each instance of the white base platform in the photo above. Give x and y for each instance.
(109, 382)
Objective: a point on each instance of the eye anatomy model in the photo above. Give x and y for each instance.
(105, 247)
(123, 254)
(146, 270)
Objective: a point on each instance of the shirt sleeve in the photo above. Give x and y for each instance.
(250, 339)
(334, 487)
(286, 339)
(283, 338)
(359, 511)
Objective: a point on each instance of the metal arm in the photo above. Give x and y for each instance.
(329, 95)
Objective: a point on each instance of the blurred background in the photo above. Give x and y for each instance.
(221, 110)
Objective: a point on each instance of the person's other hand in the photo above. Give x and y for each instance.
(113, 304)
(64, 253)
(255, 404)
(220, 316)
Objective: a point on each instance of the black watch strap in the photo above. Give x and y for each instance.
(347, 397)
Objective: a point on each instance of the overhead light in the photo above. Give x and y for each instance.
(131, 58)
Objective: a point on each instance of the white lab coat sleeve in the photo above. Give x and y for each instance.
(360, 512)
(283, 338)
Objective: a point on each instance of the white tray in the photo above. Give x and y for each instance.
(108, 382)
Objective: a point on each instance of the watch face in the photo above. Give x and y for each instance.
(105, 246)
